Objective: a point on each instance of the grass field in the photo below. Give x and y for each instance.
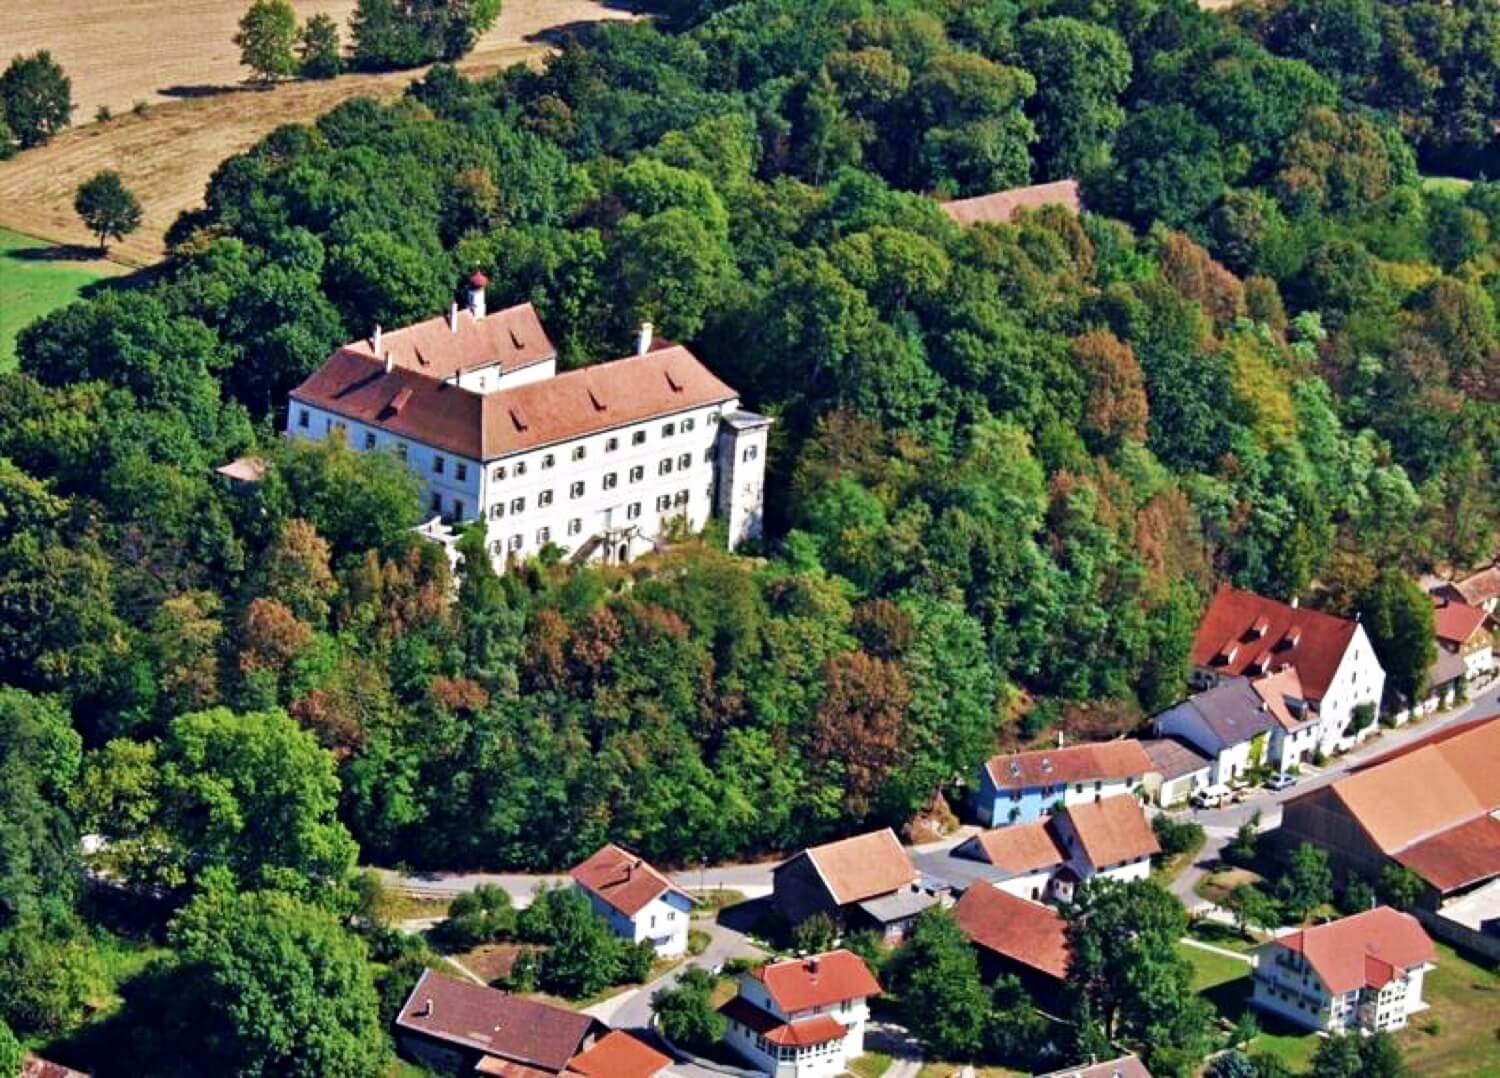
(1460, 1032)
(35, 278)
(177, 56)
(1225, 982)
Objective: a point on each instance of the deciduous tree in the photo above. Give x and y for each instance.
(36, 97)
(107, 207)
(268, 39)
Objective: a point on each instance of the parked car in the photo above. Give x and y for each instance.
(1282, 780)
(1210, 797)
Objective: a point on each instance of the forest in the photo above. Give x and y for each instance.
(1010, 462)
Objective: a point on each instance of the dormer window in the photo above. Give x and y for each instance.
(1258, 629)
(1290, 638)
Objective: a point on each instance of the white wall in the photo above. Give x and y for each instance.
(1359, 679)
(1031, 886)
(1098, 790)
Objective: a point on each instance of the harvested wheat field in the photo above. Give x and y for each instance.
(178, 56)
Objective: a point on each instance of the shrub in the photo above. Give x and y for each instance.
(1177, 836)
(104, 114)
(686, 1013)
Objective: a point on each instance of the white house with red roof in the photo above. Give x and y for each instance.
(1464, 631)
(602, 462)
(1336, 672)
(639, 902)
(802, 1017)
(1358, 973)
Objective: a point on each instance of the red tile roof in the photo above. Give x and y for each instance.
(861, 867)
(1025, 932)
(619, 1055)
(1124, 1067)
(1456, 622)
(1479, 587)
(1024, 847)
(1112, 830)
(1285, 701)
(512, 338)
(495, 1023)
(800, 984)
(484, 426)
(999, 207)
(37, 1067)
(1458, 857)
(1363, 951)
(1102, 760)
(623, 880)
(803, 1034)
(1247, 634)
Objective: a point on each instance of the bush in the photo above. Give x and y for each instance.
(814, 934)
(638, 958)
(686, 1013)
(1177, 836)
(483, 915)
(104, 114)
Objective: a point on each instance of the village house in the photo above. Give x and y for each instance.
(604, 462)
(1047, 858)
(1018, 937)
(638, 901)
(1124, 1067)
(1432, 806)
(617, 1054)
(1230, 723)
(866, 881)
(458, 1027)
(1464, 630)
(802, 1017)
(1177, 769)
(1362, 973)
(1337, 676)
(1001, 207)
(37, 1067)
(1020, 787)
(1481, 589)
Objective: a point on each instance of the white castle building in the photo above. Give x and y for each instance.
(604, 462)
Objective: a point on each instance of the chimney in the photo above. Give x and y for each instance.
(1059, 739)
(426, 1011)
(477, 285)
(375, 340)
(453, 318)
(812, 965)
(1293, 603)
(643, 340)
(390, 362)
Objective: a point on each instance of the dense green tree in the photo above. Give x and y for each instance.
(36, 97)
(1081, 72)
(686, 1012)
(12, 1055)
(1377, 1056)
(319, 54)
(936, 980)
(267, 39)
(107, 207)
(40, 756)
(1401, 887)
(1307, 882)
(1397, 614)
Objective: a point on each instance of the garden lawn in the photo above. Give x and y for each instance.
(870, 1065)
(1464, 1009)
(1225, 982)
(36, 277)
(1215, 886)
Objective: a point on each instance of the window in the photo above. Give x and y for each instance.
(548, 461)
(680, 498)
(498, 474)
(543, 535)
(401, 450)
(520, 468)
(515, 542)
(458, 509)
(461, 472)
(611, 445)
(369, 439)
(497, 510)
(580, 451)
(638, 438)
(544, 499)
(637, 474)
(302, 417)
(496, 547)
(751, 452)
(437, 502)
(685, 461)
(575, 526)
(576, 490)
(633, 511)
(687, 425)
(665, 467)
(611, 480)
(517, 505)
(668, 429)
(663, 502)
(437, 465)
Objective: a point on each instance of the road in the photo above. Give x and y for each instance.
(1221, 824)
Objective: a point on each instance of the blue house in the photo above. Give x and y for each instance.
(1024, 786)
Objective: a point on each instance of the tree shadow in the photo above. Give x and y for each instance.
(63, 252)
(579, 30)
(209, 89)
